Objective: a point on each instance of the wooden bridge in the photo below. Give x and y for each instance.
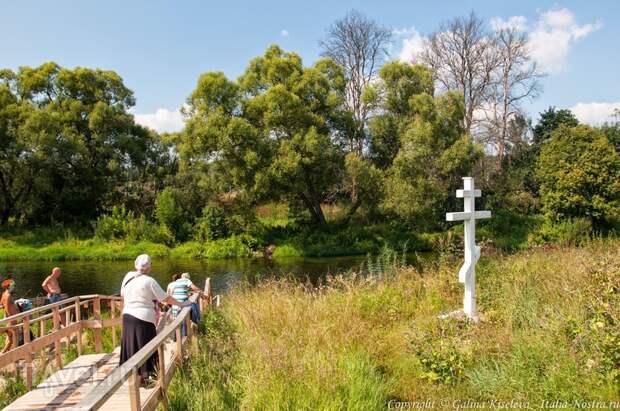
(94, 380)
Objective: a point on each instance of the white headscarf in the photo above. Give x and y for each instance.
(142, 261)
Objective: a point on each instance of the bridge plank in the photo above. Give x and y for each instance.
(68, 386)
(95, 380)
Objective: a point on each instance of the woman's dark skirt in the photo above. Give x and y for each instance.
(135, 335)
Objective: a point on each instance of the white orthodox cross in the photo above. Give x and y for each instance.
(467, 273)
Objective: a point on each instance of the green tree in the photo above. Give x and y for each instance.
(19, 159)
(268, 135)
(579, 172)
(550, 120)
(612, 130)
(69, 142)
(433, 150)
(399, 83)
(518, 187)
(155, 167)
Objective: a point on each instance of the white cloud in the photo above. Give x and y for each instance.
(550, 37)
(284, 33)
(412, 43)
(518, 23)
(595, 113)
(553, 35)
(162, 120)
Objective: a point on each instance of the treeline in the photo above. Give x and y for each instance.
(386, 141)
(69, 147)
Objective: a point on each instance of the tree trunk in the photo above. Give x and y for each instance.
(315, 209)
(351, 212)
(5, 213)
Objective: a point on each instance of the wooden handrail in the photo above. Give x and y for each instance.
(46, 307)
(60, 311)
(98, 396)
(73, 326)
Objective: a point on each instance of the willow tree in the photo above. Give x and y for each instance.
(270, 134)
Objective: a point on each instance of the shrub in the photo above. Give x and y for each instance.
(508, 230)
(142, 229)
(579, 172)
(232, 247)
(122, 224)
(114, 225)
(172, 215)
(443, 365)
(212, 225)
(575, 231)
(387, 262)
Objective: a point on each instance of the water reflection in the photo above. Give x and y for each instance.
(104, 277)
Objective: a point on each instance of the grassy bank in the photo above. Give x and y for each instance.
(284, 237)
(551, 331)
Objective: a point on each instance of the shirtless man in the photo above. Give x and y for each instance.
(52, 288)
(10, 308)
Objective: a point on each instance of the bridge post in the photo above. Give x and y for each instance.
(14, 336)
(113, 316)
(67, 322)
(162, 376)
(188, 326)
(42, 325)
(28, 359)
(97, 331)
(134, 390)
(57, 347)
(208, 290)
(179, 344)
(78, 319)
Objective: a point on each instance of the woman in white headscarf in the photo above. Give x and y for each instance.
(141, 294)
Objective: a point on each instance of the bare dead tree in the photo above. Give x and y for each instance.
(360, 46)
(515, 80)
(463, 56)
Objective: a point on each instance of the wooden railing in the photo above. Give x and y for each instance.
(79, 313)
(97, 398)
(85, 312)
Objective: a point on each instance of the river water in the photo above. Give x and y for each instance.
(104, 277)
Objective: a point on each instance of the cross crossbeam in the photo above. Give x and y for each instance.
(461, 215)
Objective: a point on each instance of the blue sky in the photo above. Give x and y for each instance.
(161, 47)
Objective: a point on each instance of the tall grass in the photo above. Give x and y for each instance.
(550, 331)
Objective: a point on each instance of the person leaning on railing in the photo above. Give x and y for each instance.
(141, 294)
(181, 288)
